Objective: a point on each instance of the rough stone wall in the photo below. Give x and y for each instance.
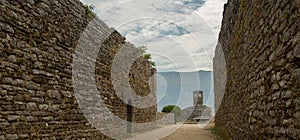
(261, 44)
(165, 118)
(141, 79)
(38, 40)
(219, 64)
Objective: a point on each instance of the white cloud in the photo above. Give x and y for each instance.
(212, 13)
(184, 32)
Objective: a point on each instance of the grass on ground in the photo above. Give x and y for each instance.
(218, 133)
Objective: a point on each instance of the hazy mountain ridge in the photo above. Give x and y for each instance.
(177, 88)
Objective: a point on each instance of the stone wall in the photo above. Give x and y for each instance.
(165, 118)
(261, 44)
(219, 69)
(39, 39)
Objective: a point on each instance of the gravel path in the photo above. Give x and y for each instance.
(175, 132)
(190, 132)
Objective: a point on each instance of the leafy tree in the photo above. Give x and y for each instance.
(172, 109)
(142, 49)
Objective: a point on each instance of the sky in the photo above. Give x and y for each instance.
(181, 35)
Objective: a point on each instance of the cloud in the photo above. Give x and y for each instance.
(212, 13)
(151, 29)
(181, 34)
(179, 6)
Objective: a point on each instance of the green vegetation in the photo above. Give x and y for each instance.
(89, 10)
(142, 49)
(172, 109)
(218, 133)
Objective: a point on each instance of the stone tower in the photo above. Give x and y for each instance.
(198, 98)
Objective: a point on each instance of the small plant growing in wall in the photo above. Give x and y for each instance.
(142, 49)
(89, 10)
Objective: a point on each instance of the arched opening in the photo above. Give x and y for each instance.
(129, 117)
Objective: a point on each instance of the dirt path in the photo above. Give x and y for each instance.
(176, 132)
(190, 132)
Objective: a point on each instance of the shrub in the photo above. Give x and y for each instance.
(172, 109)
(89, 10)
(142, 50)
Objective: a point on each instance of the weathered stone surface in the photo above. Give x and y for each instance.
(12, 58)
(43, 107)
(48, 119)
(4, 124)
(37, 101)
(31, 106)
(30, 119)
(12, 118)
(260, 41)
(296, 75)
(18, 82)
(26, 77)
(38, 65)
(7, 80)
(12, 136)
(54, 108)
(23, 136)
(166, 118)
(297, 51)
(53, 94)
(32, 85)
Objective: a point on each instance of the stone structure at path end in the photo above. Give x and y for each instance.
(198, 112)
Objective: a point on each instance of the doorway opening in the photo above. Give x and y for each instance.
(129, 117)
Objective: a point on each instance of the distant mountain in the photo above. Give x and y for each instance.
(177, 88)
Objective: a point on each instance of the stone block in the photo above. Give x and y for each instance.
(12, 58)
(43, 107)
(297, 51)
(12, 118)
(11, 136)
(31, 106)
(296, 76)
(7, 80)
